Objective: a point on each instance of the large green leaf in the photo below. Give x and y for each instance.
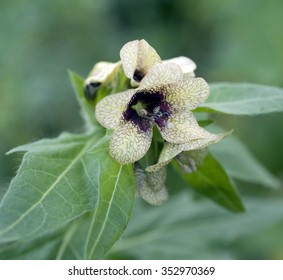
(243, 99)
(96, 232)
(55, 183)
(211, 180)
(241, 164)
(92, 236)
(116, 197)
(47, 247)
(188, 228)
(59, 180)
(35, 249)
(3, 190)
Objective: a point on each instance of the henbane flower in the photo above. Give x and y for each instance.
(171, 151)
(138, 57)
(102, 72)
(163, 99)
(167, 92)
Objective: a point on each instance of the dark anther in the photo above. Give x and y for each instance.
(91, 89)
(138, 75)
(165, 114)
(158, 114)
(145, 108)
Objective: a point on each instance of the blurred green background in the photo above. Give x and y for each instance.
(236, 41)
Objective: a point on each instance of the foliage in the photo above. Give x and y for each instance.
(169, 234)
(230, 43)
(68, 193)
(244, 99)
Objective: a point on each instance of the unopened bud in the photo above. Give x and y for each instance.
(151, 185)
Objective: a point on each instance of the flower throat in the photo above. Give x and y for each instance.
(147, 107)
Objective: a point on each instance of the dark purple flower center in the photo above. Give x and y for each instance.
(146, 108)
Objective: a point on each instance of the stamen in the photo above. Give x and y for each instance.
(146, 108)
(165, 114)
(152, 116)
(157, 114)
(156, 109)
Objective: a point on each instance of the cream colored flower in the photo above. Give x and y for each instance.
(164, 98)
(187, 65)
(102, 72)
(171, 151)
(138, 57)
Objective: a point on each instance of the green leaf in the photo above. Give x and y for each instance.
(96, 232)
(204, 123)
(55, 183)
(186, 228)
(47, 247)
(60, 180)
(86, 107)
(203, 119)
(34, 249)
(74, 241)
(211, 180)
(241, 164)
(3, 190)
(116, 197)
(243, 99)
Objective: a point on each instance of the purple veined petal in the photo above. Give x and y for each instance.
(128, 143)
(109, 110)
